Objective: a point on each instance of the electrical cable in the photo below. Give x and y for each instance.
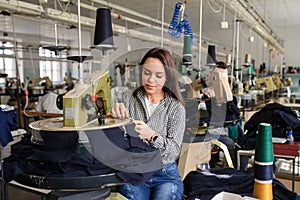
(176, 27)
(224, 11)
(214, 10)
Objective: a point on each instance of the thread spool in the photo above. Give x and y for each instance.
(228, 59)
(263, 191)
(264, 145)
(247, 59)
(211, 55)
(263, 172)
(103, 29)
(264, 157)
(187, 51)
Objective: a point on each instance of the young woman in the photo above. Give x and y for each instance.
(158, 111)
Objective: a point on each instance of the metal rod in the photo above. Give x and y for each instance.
(17, 72)
(162, 22)
(200, 36)
(281, 70)
(233, 47)
(80, 69)
(55, 34)
(237, 48)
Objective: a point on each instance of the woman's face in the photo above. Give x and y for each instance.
(153, 76)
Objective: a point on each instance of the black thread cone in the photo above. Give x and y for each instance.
(211, 55)
(103, 28)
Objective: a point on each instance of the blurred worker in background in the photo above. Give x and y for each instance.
(48, 102)
(222, 109)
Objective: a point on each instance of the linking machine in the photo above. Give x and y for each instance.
(94, 93)
(81, 143)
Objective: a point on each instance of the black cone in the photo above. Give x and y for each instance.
(103, 28)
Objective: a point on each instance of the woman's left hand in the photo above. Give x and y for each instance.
(143, 130)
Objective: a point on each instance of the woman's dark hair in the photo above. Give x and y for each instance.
(221, 64)
(171, 86)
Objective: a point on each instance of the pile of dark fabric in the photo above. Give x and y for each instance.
(114, 150)
(205, 185)
(8, 123)
(280, 117)
(221, 115)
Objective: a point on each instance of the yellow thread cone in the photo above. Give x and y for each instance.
(263, 191)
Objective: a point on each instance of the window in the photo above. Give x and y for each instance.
(7, 59)
(52, 65)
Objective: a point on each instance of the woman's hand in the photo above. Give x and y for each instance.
(208, 92)
(143, 130)
(119, 111)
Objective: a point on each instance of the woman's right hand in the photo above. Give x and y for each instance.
(208, 92)
(119, 111)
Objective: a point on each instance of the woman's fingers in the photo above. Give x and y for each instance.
(119, 111)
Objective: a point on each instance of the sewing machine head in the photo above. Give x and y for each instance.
(93, 95)
(267, 83)
(278, 82)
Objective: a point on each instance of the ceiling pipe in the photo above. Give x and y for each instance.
(128, 19)
(28, 9)
(131, 12)
(247, 17)
(88, 22)
(241, 4)
(15, 5)
(150, 19)
(262, 21)
(49, 13)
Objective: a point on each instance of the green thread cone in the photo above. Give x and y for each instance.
(233, 132)
(187, 51)
(264, 146)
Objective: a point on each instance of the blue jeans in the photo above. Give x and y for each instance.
(164, 185)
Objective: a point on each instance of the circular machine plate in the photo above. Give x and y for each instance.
(68, 183)
(56, 124)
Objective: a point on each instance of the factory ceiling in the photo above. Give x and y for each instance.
(275, 17)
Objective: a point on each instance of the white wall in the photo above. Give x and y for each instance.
(292, 46)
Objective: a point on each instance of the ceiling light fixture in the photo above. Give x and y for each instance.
(251, 37)
(224, 23)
